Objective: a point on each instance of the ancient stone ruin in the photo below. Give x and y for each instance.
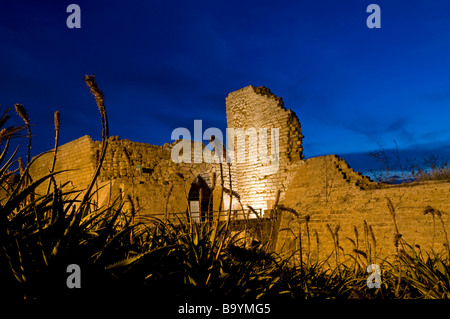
(321, 199)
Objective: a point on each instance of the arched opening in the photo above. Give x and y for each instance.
(200, 200)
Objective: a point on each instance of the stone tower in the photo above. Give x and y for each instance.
(255, 108)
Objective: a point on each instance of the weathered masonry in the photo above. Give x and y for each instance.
(334, 197)
(324, 191)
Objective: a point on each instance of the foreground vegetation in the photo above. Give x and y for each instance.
(40, 235)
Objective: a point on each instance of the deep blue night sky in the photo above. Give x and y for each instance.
(163, 64)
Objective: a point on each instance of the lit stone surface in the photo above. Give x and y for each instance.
(325, 188)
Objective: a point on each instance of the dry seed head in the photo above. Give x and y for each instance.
(232, 193)
(428, 210)
(21, 168)
(396, 239)
(337, 228)
(317, 237)
(372, 235)
(432, 211)
(330, 230)
(251, 209)
(390, 206)
(180, 175)
(288, 209)
(20, 109)
(57, 121)
(98, 94)
(352, 241)
(131, 204)
(366, 227)
(360, 252)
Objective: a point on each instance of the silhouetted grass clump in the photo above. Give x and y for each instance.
(436, 169)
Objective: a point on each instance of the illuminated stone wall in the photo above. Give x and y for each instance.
(328, 191)
(75, 162)
(144, 172)
(324, 189)
(147, 173)
(254, 108)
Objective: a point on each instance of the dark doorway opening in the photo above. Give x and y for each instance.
(200, 200)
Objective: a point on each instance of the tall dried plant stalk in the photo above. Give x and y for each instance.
(230, 207)
(393, 215)
(21, 167)
(372, 234)
(167, 202)
(317, 244)
(57, 123)
(274, 216)
(430, 210)
(20, 110)
(10, 132)
(355, 230)
(300, 244)
(335, 236)
(187, 200)
(446, 237)
(99, 98)
(438, 213)
(210, 198)
(397, 237)
(307, 219)
(289, 210)
(222, 189)
(217, 219)
(227, 225)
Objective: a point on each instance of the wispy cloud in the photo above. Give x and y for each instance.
(437, 97)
